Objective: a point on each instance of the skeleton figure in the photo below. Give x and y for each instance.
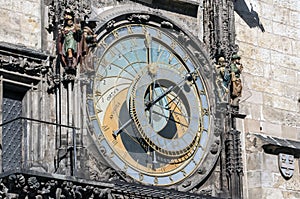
(236, 84)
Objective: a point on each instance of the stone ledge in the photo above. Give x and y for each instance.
(24, 182)
(274, 145)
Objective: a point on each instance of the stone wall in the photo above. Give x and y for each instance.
(271, 93)
(21, 22)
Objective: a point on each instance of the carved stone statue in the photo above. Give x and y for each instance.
(88, 41)
(69, 39)
(223, 78)
(236, 84)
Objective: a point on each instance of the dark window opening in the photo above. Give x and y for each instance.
(12, 132)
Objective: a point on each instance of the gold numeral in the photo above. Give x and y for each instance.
(113, 53)
(129, 30)
(98, 93)
(163, 169)
(141, 177)
(159, 35)
(125, 167)
(99, 110)
(112, 154)
(114, 142)
(133, 42)
(105, 128)
(93, 117)
(103, 44)
(155, 180)
(186, 57)
(116, 34)
(99, 77)
(104, 62)
(173, 44)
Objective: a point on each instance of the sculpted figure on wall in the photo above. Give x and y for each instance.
(70, 42)
(88, 41)
(223, 78)
(236, 69)
(74, 42)
(228, 79)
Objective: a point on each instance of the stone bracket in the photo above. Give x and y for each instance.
(275, 145)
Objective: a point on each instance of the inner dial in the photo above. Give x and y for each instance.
(163, 109)
(148, 104)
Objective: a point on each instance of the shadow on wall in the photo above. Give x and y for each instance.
(250, 16)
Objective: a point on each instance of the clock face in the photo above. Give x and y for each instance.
(149, 105)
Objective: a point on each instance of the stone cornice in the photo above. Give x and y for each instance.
(274, 145)
(21, 182)
(17, 58)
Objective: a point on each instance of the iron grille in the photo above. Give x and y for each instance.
(11, 134)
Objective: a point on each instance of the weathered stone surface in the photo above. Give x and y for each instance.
(252, 125)
(254, 161)
(21, 23)
(271, 128)
(270, 164)
(289, 132)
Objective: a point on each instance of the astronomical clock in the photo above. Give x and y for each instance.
(123, 102)
(150, 101)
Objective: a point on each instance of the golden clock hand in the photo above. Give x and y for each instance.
(167, 107)
(189, 77)
(152, 102)
(117, 132)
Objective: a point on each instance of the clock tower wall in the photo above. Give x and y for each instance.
(22, 23)
(58, 131)
(268, 38)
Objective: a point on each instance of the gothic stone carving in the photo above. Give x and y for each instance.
(23, 60)
(23, 186)
(68, 21)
